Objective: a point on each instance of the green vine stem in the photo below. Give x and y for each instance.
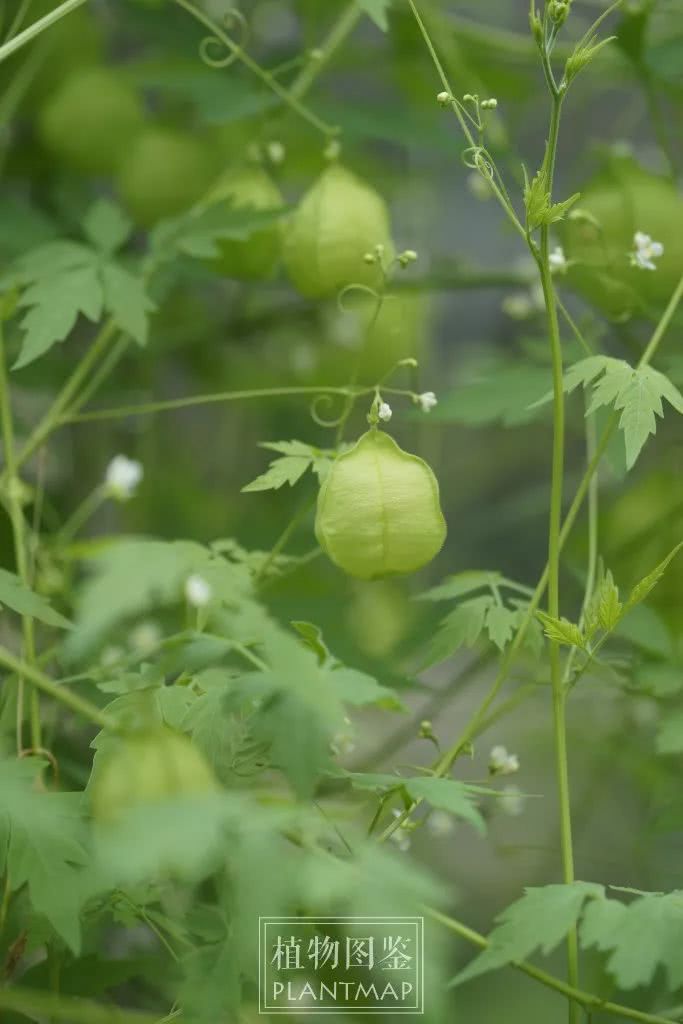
(14, 493)
(341, 29)
(12, 45)
(42, 682)
(577, 996)
(70, 1009)
(329, 131)
(554, 546)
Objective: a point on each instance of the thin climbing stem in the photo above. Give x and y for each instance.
(266, 77)
(64, 696)
(69, 390)
(14, 491)
(22, 38)
(341, 29)
(574, 994)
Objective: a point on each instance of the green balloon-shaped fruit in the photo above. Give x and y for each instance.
(622, 200)
(91, 120)
(147, 768)
(165, 172)
(338, 221)
(378, 510)
(368, 344)
(255, 257)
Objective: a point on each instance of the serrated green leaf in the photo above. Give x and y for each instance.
(461, 583)
(360, 689)
(539, 920)
(605, 609)
(461, 627)
(55, 305)
(199, 232)
(126, 299)
(106, 225)
(447, 794)
(500, 624)
(377, 10)
(556, 211)
(287, 470)
(619, 929)
(649, 582)
(21, 599)
(561, 630)
(42, 837)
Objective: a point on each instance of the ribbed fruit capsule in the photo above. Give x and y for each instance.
(91, 120)
(252, 258)
(623, 199)
(337, 222)
(378, 510)
(163, 174)
(147, 767)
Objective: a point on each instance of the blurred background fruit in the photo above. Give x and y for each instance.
(91, 120)
(622, 199)
(163, 173)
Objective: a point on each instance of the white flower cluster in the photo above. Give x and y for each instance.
(122, 477)
(502, 763)
(646, 251)
(198, 592)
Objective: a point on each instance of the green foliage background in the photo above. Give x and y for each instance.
(318, 700)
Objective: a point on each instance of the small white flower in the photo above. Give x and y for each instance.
(275, 151)
(400, 835)
(558, 260)
(384, 411)
(502, 763)
(646, 252)
(145, 638)
(122, 477)
(427, 400)
(512, 801)
(111, 656)
(197, 591)
(518, 306)
(440, 823)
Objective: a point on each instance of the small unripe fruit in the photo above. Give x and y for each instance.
(163, 174)
(91, 120)
(255, 257)
(378, 510)
(619, 201)
(337, 222)
(146, 768)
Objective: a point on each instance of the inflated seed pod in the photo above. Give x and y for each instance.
(337, 222)
(89, 123)
(378, 510)
(255, 257)
(163, 174)
(147, 767)
(620, 201)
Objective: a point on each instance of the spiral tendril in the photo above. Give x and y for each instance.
(356, 287)
(326, 401)
(220, 41)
